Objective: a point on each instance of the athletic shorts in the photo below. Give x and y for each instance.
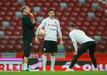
(49, 46)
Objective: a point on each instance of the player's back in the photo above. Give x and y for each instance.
(80, 36)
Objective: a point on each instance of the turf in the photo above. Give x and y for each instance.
(55, 73)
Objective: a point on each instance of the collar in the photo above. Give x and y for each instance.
(51, 18)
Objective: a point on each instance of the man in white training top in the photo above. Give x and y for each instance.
(86, 44)
(52, 29)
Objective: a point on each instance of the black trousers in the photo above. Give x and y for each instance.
(27, 46)
(91, 45)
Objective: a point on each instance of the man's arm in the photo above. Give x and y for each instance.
(40, 27)
(37, 31)
(27, 22)
(60, 33)
(32, 18)
(74, 43)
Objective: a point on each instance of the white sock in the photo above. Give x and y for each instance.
(24, 66)
(44, 61)
(52, 62)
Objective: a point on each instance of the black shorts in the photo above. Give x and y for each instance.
(90, 46)
(49, 47)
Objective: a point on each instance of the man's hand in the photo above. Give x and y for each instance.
(32, 17)
(31, 14)
(36, 40)
(75, 53)
(61, 42)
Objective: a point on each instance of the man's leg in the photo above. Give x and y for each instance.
(44, 56)
(91, 53)
(44, 59)
(53, 48)
(80, 51)
(25, 63)
(52, 61)
(27, 49)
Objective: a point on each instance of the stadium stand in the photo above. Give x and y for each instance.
(88, 15)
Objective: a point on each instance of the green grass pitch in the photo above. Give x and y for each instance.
(55, 73)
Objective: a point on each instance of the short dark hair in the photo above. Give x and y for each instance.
(51, 9)
(73, 25)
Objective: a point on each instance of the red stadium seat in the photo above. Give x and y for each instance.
(74, 12)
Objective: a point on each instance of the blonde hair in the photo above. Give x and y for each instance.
(23, 7)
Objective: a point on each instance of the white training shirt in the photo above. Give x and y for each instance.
(78, 36)
(52, 28)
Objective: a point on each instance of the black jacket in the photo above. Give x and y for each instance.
(27, 27)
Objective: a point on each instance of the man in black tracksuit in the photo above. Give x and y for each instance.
(28, 22)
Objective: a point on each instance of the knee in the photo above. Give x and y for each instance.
(52, 54)
(27, 53)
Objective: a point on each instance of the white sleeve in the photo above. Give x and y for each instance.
(59, 30)
(43, 23)
(73, 42)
